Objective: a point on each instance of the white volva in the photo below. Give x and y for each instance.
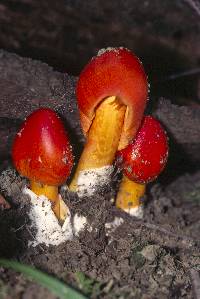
(136, 211)
(48, 229)
(89, 180)
(111, 226)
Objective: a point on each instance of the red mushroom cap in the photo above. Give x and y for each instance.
(113, 72)
(41, 150)
(144, 158)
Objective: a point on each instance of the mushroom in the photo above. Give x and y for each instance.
(41, 152)
(112, 92)
(142, 161)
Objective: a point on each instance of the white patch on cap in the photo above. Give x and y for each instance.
(89, 180)
(136, 211)
(44, 221)
(110, 49)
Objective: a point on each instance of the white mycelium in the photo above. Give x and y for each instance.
(79, 223)
(111, 226)
(136, 211)
(44, 221)
(89, 180)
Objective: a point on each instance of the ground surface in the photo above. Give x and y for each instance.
(158, 257)
(66, 34)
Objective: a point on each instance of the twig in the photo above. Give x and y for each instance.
(195, 4)
(19, 228)
(174, 76)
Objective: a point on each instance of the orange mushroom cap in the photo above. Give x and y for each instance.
(41, 150)
(113, 72)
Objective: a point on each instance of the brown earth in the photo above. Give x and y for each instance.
(66, 34)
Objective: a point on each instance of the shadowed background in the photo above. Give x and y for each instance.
(66, 34)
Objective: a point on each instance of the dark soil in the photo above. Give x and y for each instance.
(157, 257)
(66, 34)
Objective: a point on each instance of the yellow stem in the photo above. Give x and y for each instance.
(129, 194)
(103, 137)
(51, 192)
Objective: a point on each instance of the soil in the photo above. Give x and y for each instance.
(156, 257)
(164, 36)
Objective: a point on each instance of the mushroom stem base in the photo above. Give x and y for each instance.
(103, 137)
(129, 194)
(51, 192)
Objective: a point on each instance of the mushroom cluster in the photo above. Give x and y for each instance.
(112, 92)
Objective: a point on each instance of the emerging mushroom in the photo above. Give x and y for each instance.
(112, 91)
(142, 161)
(41, 152)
